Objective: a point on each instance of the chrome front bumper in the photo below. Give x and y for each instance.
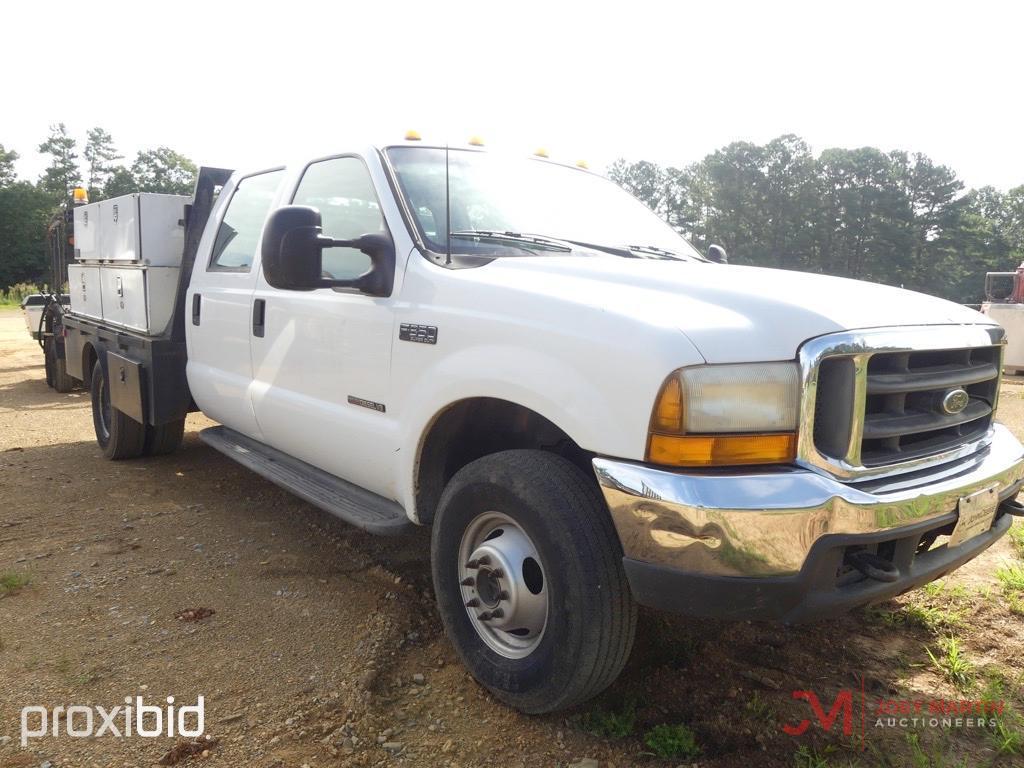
(764, 523)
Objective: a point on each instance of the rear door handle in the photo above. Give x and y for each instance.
(196, 305)
(259, 310)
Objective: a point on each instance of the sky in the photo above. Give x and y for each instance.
(253, 84)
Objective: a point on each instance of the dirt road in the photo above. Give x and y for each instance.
(325, 648)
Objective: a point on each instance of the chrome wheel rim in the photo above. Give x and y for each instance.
(503, 585)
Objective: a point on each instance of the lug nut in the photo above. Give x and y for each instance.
(473, 564)
(469, 581)
(472, 603)
(498, 573)
(485, 616)
(503, 595)
(485, 559)
(497, 613)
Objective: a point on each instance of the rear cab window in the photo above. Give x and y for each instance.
(238, 235)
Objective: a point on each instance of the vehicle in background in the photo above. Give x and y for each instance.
(1004, 303)
(589, 413)
(32, 308)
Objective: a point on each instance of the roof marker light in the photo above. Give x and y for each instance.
(582, 164)
(476, 141)
(80, 196)
(412, 136)
(540, 152)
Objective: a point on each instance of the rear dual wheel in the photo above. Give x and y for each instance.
(528, 573)
(119, 435)
(56, 367)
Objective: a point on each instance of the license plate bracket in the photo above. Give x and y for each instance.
(977, 513)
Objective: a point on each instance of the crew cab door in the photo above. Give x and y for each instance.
(321, 358)
(219, 302)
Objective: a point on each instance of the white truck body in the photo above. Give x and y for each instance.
(554, 396)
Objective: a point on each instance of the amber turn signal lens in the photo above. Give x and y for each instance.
(721, 450)
(668, 413)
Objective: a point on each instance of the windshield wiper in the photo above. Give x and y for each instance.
(537, 241)
(654, 250)
(560, 244)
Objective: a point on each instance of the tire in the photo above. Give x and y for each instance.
(163, 439)
(120, 436)
(586, 637)
(48, 357)
(62, 382)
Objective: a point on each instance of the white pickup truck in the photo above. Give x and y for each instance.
(588, 412)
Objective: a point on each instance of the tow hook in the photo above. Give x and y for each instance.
(1012, 507)
(872, 566)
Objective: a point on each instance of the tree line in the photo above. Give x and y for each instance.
(26, 207)
(890, 217)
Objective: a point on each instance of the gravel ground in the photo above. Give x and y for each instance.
(324, 647)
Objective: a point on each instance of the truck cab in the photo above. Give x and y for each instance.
(588, 413)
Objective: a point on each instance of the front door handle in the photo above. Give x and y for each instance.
(196, 306)
(259, 309)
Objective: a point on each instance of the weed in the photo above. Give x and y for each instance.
(809, 757)
(953, 663)
(610, 724)
(759, 708)
(1005, 735)
(927, 617)
(934, 588)
(1017, 539)
(12, 582)
(1011, 577)
(672, 742)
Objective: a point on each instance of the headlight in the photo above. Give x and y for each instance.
(718, 415)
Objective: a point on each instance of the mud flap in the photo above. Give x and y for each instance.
(124, 377)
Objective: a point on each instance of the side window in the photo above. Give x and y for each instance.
(239, 234)
(343, 193)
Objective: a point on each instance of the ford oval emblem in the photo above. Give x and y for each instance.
(955, 401)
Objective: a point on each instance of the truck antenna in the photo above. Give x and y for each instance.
(447, 211)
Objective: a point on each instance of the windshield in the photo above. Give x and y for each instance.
(495, 200)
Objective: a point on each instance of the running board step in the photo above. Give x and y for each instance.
(353, 504)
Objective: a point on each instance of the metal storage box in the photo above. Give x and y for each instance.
(138, 297)
(84, 288)
(87, 233)
(141, 228)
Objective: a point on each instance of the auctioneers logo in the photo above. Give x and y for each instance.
(134, 718)
(851, 709)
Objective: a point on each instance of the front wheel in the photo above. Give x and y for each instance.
(528, 574)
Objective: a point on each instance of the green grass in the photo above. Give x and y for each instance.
(672, 742)
(1011, 577)
(810, 757)
(610, 724)
(13, 295)
(1017, 539)
(12, 582)
(1007, 735)
(928, 617)
(952, 663)
(760, 709)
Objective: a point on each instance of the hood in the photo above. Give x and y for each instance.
(730, 313)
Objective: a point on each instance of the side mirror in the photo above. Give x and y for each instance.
(292, 254)
(717, 254)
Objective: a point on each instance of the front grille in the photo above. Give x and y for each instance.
(903, 414)
(903, 394)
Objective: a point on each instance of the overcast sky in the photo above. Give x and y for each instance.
(250, 84)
